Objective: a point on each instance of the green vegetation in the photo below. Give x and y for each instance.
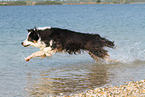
(28, 2)
(17, 3)
(65, 2)
(12, 3)
(98, 1)
(48, 3)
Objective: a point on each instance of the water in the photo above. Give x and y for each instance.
(70, 74)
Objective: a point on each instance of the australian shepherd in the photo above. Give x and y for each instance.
(51, 40)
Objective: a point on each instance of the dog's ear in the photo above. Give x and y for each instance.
(29, 30)
(35, 28)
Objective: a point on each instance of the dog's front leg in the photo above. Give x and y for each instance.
(36, 54)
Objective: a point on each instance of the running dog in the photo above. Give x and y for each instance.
(51, 40)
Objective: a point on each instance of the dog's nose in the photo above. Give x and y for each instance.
(22, 43)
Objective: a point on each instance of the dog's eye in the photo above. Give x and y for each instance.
(30, 39)
(33, 36)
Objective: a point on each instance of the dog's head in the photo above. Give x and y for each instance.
(32, 38)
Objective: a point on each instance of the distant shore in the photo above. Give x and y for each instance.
(21, 3)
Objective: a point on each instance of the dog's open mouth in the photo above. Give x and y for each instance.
(26, 45)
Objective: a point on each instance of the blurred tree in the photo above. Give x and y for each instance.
(98, 1)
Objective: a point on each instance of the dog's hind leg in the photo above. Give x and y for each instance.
(36, 54)
(97, 54)
(93, 56)
(107, 58)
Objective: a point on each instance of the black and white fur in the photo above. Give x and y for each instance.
(51, 40)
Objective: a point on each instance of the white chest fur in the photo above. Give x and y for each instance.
(48, 51)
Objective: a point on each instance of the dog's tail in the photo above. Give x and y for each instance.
(108, 43)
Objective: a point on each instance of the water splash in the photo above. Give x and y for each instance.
(128, 51)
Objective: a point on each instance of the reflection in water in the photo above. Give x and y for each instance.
(75, 78)
(68, 79)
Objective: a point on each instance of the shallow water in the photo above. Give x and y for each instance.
(69, 74)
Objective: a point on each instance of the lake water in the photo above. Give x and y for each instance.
(63, 73)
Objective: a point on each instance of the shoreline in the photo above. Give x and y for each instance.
(23, 3)
(128, 89)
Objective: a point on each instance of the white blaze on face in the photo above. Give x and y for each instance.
(26, 42)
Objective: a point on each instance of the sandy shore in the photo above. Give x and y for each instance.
(128, 89)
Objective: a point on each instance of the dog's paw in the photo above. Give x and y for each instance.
(27, 59)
